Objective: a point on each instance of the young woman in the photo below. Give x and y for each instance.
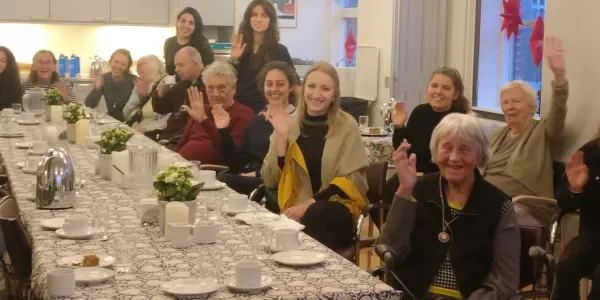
(10, 82)
(256, 44)
(116, 86)
(138, 111)
(277, 81)
(316, 161)
(43, 75)
(189, 30)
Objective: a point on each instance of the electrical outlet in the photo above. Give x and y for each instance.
(387, 82)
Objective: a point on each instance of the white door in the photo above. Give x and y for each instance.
(143, 12)
(213, 12)
(80, 10)
(24, 10)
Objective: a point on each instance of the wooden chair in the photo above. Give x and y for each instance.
(18, 247)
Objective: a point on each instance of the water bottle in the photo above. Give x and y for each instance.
(78, 64)
(62, 65)
(73, 66)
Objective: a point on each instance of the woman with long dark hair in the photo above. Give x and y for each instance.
(10, 83)
(256, 44)
(189, 30)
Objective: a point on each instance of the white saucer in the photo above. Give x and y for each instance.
(265, 283)
(90, 233)
(24, 145)
(301, 247)
(235, 212)
(52, 224)
(216, 186)
(257, 217)
(191, 287)
(72, 261)
(12, 134)
(299, 258)
(37, 153)
(92, 275)
(30, 122)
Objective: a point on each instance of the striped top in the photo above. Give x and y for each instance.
(27, 85)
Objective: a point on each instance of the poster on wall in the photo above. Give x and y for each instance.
(286, 13)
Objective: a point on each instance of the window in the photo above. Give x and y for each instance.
(350, 24)
(500, 60)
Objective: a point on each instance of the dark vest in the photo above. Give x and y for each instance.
(471, 236)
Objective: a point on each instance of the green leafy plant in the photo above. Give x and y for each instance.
(53, 97)
(113, 140)
(73, 113)
(175, 184)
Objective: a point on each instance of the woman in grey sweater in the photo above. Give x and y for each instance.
(116, 86)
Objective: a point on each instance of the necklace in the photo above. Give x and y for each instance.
(443, 236)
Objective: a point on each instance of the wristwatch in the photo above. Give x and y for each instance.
(233, 61)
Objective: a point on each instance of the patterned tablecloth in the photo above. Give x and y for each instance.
(156, 261)
(379, 149)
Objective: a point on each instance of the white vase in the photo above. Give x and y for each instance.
(191, 205)
(71, 133)
(120, 160)
(104, 165)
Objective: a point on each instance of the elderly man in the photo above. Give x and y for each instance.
(201, 138)
(188, 66)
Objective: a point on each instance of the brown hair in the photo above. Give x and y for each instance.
(334, 113)
(33, 74)
(289, 73)
(127, 54)
(270, 44)
(460, 101)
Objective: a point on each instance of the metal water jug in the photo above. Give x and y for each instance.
(55, 188)
(97, 66)
(386, 112)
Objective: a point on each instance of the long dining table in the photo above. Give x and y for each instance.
(155, 261)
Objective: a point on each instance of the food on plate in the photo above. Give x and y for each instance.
(90, 261)
(375, 130)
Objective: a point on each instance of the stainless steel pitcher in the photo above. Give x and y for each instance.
(97, 66)
(386, 112)
(55, 188)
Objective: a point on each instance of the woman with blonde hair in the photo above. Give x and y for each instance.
(317, 162)
(139, 112)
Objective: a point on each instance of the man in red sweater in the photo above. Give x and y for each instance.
(201, 140)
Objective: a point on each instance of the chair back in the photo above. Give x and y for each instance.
(531, 268)
(15, 238)
(376, 175)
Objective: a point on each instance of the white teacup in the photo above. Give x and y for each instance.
(287, 239)
(237, 203)
(209, 177)
(31, 164)
(39, 146)
(61, 282)
(248, 274)
(205, 232)
(179, 234)
(28, 116)
(170, 80)
(76, 225)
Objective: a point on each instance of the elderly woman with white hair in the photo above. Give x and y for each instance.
(521, 162)
(454, 234)
(139, 112)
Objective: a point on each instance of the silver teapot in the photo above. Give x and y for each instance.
(56, 185)
(386, 112)
(97, 66)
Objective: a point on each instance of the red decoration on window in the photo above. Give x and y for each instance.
(536, 41)
(350, 45)
(512, 17)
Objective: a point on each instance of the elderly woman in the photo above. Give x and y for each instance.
(454, 234)
(521, 162)
(138, 111)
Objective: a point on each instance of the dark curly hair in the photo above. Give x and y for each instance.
(270, 44)
(289, 72)
(10, 82)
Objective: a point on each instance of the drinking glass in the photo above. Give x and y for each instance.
(363, 122)
(262, 240)
(214, 208)
(210, 262)
(17, 108)
(100, 211)
(124, 252)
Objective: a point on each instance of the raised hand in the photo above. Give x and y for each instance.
(196, 108)
(577, 172)
(142, 88)
(555, 57)
(406, 168)
(99, 82)
(64, 91)
(280, 119)
(237, 47)
(222, 118)
(398, 114)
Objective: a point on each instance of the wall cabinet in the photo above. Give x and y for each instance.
(213, 12)
(93, 11)
(25, 10)
(143, 12)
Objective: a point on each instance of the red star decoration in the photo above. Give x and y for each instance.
(536, 41)
(350, 45)
(512, 17)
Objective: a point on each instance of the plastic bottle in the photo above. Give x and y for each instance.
(62, 65)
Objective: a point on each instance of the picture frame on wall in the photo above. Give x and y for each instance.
(287, 13)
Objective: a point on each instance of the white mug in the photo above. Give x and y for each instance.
(170, 80)
(286, 239)
(207, 176)
(28, 116)
(205, 232)
(31, 164)
(61, 282)
(237, 202)
(248, 274)
(179, 234)
(75, 225)
(40, 146)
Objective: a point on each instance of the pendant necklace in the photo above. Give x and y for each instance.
(443, 236)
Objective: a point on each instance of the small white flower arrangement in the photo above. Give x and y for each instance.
(53, 97)
(113, 140)
(175, 184)
(73, 113)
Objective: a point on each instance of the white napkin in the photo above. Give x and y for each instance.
(285, 222)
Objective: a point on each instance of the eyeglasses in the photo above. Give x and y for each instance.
(221, 88)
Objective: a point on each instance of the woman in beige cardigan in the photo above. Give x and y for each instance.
(521, 161)
(317, 162)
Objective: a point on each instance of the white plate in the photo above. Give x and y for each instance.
(92, 275)
(191, 287)
(53, 224)
(69, 261)
(32, 122)
(215, 186)
(235, 212)
(299, 258)
(37, 153)
(301, 247)
(12, 134)
(257, 217)
(265, 283)
(24, 145)
(61, 234)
